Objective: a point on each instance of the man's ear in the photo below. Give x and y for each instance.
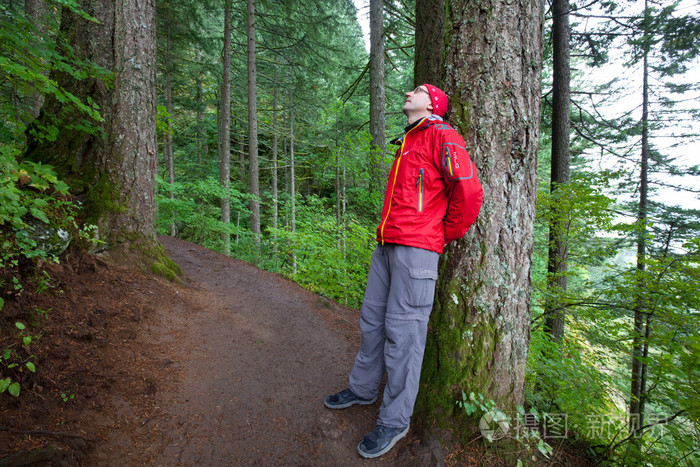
(430, 107)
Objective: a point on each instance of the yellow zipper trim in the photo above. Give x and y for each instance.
(396, 174)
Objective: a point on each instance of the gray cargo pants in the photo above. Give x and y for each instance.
(394, 323)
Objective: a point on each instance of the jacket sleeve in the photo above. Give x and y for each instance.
(463, 188)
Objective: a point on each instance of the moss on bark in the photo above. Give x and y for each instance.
(102, 200)
(145, 253)
(458, 356)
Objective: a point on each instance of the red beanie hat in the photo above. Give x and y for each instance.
(438, 99)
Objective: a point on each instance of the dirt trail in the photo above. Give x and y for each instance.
(247, 359)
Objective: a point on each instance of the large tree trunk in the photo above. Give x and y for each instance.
(377, 99)
(430, 21)
(561, 127)
(113, 172)
(225, 130)
(480, 326)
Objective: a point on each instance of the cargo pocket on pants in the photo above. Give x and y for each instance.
(422, 290)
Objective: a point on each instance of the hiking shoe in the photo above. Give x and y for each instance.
(380, 440)
(346, 398)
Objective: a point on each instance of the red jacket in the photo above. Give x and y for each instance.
(433, 195)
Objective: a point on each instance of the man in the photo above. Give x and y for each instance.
(433, 197)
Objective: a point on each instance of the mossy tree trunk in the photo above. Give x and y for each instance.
(112, 171)
(480, 326)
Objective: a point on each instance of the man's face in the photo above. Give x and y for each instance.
(418, 101)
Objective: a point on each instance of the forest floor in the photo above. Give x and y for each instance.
(228, 367)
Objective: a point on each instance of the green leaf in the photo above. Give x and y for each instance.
(39, 214)
(7, 354)
(4, 384)
(27, 340)
(469, 408)
(14, 389)
(30, 366)
(20, 326)
(60, 186)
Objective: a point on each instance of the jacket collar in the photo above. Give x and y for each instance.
(423, 123)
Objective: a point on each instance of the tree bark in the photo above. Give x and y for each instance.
(480, 325)
(112, 172)
(225, 130)
(37, 13)
(430, 45)
(377, 99)
(561, 127)
(253, 127)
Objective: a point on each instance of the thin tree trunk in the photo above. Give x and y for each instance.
(377, 100)
(337, 187)
(253, 127)
(168, 143)
(225, 131)
(638, 367)
(344, 197)
(200, 109)
(338, 218)
(292, 184)
(285, 152)
(241, 157)
(275, 201)
(561, 127)
(480, 325)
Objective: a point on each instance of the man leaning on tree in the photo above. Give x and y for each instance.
(432, 198)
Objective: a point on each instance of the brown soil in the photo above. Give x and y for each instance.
(228, 368)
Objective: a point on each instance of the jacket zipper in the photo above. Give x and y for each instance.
(419, 184)
(396, 173)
